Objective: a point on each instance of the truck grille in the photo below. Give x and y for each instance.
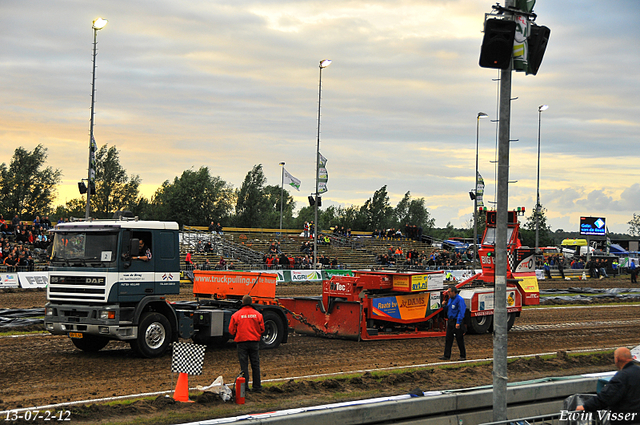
(77, 288)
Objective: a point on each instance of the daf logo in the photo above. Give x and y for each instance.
(91, 280)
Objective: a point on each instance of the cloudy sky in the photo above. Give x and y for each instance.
(233, 83)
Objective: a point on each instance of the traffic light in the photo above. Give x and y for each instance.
(82, 188)
(497, 44)
(537, 40)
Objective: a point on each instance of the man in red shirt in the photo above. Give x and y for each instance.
(246, 327)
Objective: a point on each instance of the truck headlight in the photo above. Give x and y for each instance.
(107, 314)
(49, 312)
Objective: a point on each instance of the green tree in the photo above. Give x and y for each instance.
(27, 187)
(194, 198)
(73, 208)
(306, 213)
(413, 212)
(528, 231)
(377, 210)
(634, 225)
(271, 217)
(251, 204)
(350, 217)
(114, 190)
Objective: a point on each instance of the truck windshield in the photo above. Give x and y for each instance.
(82, 248)
(490, 236)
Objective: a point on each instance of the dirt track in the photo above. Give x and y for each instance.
(40, 370)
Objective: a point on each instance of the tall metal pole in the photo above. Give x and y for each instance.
(475, 199)
(501, 262)
(98, 24)
(323, 64)
(537, 210)
(281, 193)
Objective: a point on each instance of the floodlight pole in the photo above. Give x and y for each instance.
(475, 198)
(537, 210)
(98, 24)
(323, 64)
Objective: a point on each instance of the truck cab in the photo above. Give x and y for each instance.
(102, 288)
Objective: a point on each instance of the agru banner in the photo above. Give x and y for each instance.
(593, 226)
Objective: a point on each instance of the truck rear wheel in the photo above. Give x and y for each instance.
(90, 343)
(481, 324)
(273, 330)
(154, 335)
(511, 320)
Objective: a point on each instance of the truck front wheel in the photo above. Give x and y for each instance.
(481, 324)
(90, 343)
(154, 335)
(273, 330)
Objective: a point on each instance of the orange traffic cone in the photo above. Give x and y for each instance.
(182, 389)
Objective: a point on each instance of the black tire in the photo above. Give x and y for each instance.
(154, 335)
(511, 320)
(273, 330)
(481, 324)
(90, 343)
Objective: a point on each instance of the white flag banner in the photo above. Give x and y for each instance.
(480, 192)
(323, 175)
(290, 180)
(322, 161)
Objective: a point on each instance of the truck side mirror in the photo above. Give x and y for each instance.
(134, 247)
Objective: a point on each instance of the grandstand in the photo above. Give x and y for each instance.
(246, 247)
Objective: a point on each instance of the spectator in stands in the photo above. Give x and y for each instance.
(212, 227)
(15, 221)
(305, 229)
(46, 223)
(11, 262)
(222, 264)
(268, 261)
(634, 271)
(602, 264)
(219, 229)
(560, 263)
(36, 223)
(547, 269)
(187, 261)
(206, 265)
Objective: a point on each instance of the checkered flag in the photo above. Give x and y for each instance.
(511, 260)
(187, 358)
